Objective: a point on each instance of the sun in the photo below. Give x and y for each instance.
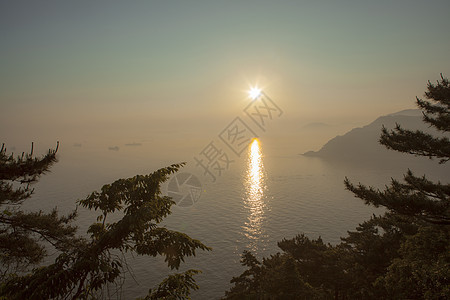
(254, 92)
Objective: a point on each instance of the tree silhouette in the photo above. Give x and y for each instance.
(85, 266)
(402, 254)
(423, 256)
(21, 233)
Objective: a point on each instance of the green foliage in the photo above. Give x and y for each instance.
(402, 254)
(85, 266)
(176, 286)
(421, 270)
(371, 249)
(276, 277)
(321, 265)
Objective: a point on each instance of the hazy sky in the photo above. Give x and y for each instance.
(81, 66)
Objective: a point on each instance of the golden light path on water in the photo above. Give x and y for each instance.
(254, 200)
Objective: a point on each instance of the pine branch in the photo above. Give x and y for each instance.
(416, 142)
(25, 168)
(50, 227)
(405, 200)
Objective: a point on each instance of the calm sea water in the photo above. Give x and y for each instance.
(260, 200)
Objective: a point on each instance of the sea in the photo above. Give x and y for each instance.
(258, 199)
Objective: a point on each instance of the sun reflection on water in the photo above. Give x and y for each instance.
(254, 200)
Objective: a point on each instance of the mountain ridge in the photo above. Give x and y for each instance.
(361, 143)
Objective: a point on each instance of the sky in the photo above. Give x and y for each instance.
(91, 69)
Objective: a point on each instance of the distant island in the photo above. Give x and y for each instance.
(362, 143)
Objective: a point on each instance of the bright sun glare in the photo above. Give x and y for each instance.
(255, 168)
(254, 92)
(255, 192)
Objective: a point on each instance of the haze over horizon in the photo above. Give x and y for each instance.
(107, 69)
(229, 137)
